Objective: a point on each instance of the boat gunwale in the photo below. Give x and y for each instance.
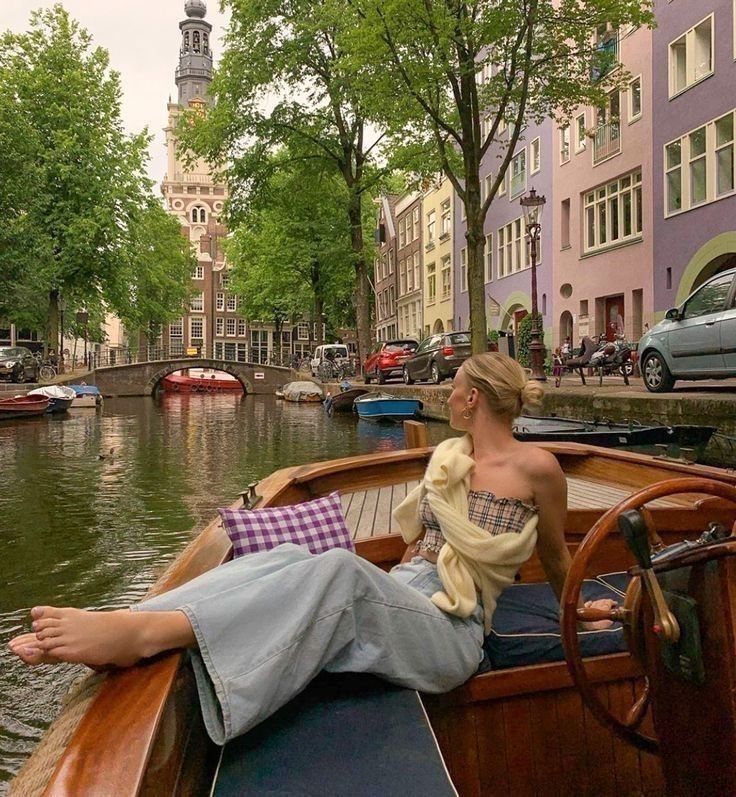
(93, 750)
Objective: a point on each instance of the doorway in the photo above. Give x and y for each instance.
(614, 317)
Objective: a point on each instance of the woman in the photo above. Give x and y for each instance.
(262, 626)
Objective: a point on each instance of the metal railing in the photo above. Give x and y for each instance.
(606, 141)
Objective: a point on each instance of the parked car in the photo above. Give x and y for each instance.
(336, 352)
(694, 341)
(17, 364)
(387, 358)
(438, 357)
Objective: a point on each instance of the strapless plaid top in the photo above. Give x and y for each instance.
(497, 515)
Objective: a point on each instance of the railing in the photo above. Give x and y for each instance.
(606, 141)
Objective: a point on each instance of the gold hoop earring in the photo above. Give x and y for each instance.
(467, 413)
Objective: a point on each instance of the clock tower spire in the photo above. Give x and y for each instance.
(194, 73)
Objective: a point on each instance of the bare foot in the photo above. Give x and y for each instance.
(100, 639)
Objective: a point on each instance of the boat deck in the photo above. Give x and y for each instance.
(368, 512)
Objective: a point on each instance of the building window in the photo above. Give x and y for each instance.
(231, 304)
(488, 183)
(518, 174)
(580, 132)
(197, 303)
(431, 228)
(199, 216)
(302, 331)
(511, 248)
(224, 279)
(417, 271)
(446, 277)
(565, 144)
(691, 56)
(502, 186)
(219, 327)
(565, 224)
(230, 326)
(431, 283)
(463, 270)
(446, 223)
(242, 330)
(699, 166)
(583, 312)
(607, 139)
(390, 261)
(220, 302)
(176, 337)
(402, 233)
(415, 224)
(613, 213)
(489, 258)
(535, 156)
(196, 329)
(198, 273)
(402, 277)
(634, 99)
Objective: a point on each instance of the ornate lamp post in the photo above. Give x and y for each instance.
(533, 206)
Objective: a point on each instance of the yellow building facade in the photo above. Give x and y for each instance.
(437, 211)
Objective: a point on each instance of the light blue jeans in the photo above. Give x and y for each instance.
(268, 623)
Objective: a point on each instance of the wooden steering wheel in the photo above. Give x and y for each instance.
(630, 614)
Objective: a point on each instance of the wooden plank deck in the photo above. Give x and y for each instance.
(368, 512)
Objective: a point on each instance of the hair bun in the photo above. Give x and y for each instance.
(532, 393)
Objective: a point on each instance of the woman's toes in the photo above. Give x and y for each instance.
(48, 643)
(44, 623)
(48, 632)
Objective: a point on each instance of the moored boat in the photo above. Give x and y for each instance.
(60, 397)
(179, 383)
(23, 407)
(343, 401)
(385, 407)
(522, 728)
(608, 433)
(86, 397)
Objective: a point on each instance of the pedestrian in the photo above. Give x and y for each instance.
(566, 348)
(557, 366)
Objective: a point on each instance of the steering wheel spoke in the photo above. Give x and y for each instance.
(638, 711)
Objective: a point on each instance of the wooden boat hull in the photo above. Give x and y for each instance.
(23, 407)
(344, 402)
(521, 730)
(175, 383)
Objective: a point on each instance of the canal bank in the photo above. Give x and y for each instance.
(696, 403)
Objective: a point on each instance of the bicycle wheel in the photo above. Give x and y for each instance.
(46, 373)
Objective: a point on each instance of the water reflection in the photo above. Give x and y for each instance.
(82, 530)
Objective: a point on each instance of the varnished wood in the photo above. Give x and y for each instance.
(415, 434)
(128, 722)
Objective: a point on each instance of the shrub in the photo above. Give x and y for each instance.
(524, 338)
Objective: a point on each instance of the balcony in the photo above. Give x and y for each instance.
(606, 141)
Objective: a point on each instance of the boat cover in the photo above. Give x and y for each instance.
(85, 390)
(54, 392)
(344, 735)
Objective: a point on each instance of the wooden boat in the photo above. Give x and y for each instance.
(343, 401)
(385, 407)
(607, 433)
(527, 729)
(23, 407)
(60, 397)
(87, 397)
(177, 383)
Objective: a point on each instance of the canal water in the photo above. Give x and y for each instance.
(94, 504)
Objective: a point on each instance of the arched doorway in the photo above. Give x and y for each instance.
(716, 266)
(438, 327)
(565, 326)
(715, 256)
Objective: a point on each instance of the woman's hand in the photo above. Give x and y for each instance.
(605, 604)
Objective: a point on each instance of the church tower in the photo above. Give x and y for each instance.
(194, 73)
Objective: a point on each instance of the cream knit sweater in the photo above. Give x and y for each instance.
(471, 561)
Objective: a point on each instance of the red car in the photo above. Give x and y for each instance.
(387, 359)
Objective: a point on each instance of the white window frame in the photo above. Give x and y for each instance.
(198, 273)
(431, 270)
(219, 327)
(415, 220)
(445, 219)
(565, 149)
(517, 173)
(464, 270)
(512, 249)
(176, 330)
(231, 327)
(711, 165)
(446, 274)
(220, 302)
(579, 133)
(535, 155)
(196, 303)
(692, 77)
(242, 328)
(488, 258)
(224, 279)
(231, 303)
(200, 321)
(502, 186)
(602, 200)
(302, 330)
(634, 117)
(431, 228)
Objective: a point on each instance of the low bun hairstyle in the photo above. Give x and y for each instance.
(503, 382)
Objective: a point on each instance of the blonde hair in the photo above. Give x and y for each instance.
(503, 382)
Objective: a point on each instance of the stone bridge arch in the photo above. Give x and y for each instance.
(141, 379)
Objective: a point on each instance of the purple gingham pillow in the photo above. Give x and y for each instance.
(318, 524)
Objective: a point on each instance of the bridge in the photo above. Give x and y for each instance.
(142, 378)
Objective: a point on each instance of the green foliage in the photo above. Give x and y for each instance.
(523, 339)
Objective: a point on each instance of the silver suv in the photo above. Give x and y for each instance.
(694, 341)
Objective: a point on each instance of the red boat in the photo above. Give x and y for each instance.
(23, 407)
(177, 383)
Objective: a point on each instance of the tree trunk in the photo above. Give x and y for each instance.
(362, 284)
(319, 305)
(476, 273)
(52, 325)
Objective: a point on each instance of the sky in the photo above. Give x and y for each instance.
(142, 37)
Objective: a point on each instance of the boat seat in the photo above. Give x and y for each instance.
(345, 734)
(526, 628)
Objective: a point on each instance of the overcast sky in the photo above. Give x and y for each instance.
(142, 37)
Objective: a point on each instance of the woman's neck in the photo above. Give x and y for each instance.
(491, 436)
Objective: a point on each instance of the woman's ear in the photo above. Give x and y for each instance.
(472, 397)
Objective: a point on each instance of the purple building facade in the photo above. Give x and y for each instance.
(694, 97)
(506, 257)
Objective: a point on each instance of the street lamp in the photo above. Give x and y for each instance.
(533, 206)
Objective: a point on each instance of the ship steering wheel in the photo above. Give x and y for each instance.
(630, 614)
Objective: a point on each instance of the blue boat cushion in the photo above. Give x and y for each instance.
(526, 627)
(346, 734)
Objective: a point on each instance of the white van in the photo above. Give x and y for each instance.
(338, 353)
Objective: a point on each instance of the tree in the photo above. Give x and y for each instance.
(292, 254)
(289, 49)
(450, 76)
(82, 188)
